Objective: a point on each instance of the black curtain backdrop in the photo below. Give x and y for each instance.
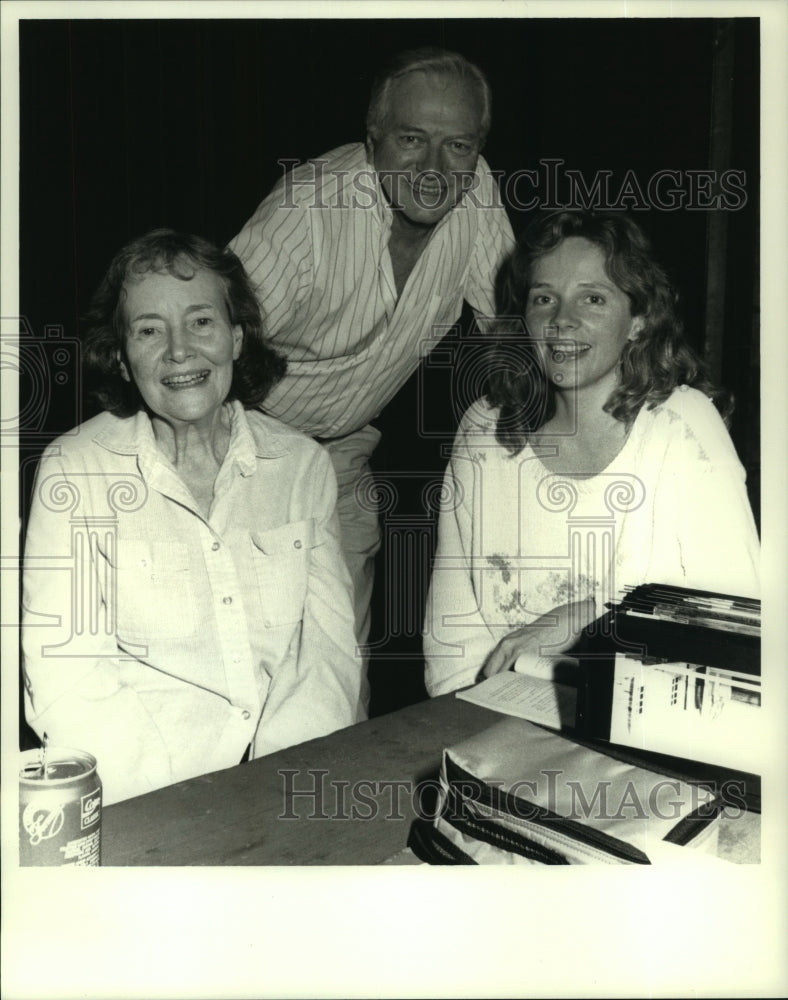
(127, 125)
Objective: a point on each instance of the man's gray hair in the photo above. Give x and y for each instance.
(427, 60)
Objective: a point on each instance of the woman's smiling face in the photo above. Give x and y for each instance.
(180, 345)
(579, 317)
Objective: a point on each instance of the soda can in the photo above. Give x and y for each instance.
(59, 808)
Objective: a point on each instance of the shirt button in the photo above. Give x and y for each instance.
(246, 715)
(267, 623)
(227, 600)
(297, 543)
(215, 546)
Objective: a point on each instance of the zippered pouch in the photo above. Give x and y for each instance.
(520, 794)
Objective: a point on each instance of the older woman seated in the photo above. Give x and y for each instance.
(597, 460)
(186, 603)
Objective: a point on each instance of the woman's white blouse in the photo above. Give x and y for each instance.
(165, 642)
(516, 540)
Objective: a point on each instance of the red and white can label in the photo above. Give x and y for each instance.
(60, 809)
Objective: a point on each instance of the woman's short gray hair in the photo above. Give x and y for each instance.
(426, 60)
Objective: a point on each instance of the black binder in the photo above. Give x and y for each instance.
(657, 624)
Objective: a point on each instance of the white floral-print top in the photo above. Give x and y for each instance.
(516, 540)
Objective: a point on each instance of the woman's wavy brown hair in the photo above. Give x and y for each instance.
(651, 367)
(166, 251)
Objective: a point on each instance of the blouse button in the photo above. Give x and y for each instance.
(215, 546)
(227, 600)
(297, 543)
(246, 715)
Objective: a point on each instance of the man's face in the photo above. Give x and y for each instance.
(426, 151)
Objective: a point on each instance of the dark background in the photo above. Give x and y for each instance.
(127, 125)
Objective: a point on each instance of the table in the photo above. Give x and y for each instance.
(344, 799)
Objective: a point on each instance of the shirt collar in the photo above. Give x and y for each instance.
(381, 205)
(127, 436)
(134, 436)
(242, 450)
(247, 445)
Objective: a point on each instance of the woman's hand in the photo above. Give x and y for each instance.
(550, 635)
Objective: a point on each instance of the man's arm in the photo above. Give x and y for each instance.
(275, 248)
(494, 242)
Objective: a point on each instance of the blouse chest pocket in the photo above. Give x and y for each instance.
(281, 561)
(153, 591)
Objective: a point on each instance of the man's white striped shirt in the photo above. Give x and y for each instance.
(316, 251)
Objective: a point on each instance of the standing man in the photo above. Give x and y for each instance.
(358, 256)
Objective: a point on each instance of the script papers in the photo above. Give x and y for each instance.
(698, 694)
(536, 699)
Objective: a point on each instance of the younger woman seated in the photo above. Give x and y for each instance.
(598, 460)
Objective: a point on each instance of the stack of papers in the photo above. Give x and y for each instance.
(680, 605)
(533, 698)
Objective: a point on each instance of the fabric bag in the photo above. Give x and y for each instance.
(519, 794)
